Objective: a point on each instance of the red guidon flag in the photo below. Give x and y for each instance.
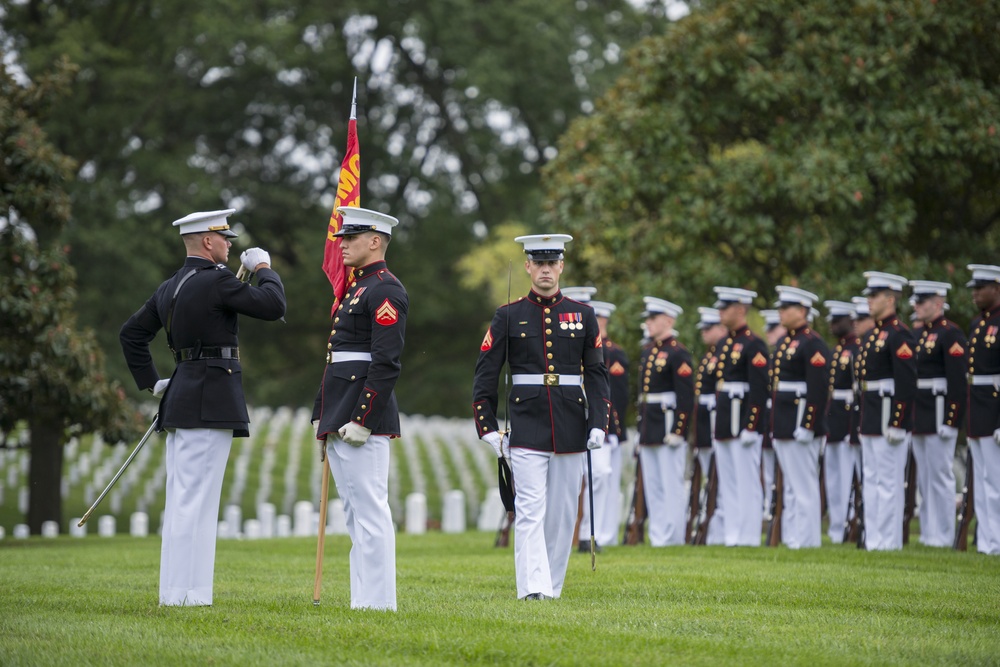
(348, 194)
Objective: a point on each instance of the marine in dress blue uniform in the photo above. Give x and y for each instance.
(983, 427)
(666, 404)
(938, 410)
(773, 333)
(888, 388)
(559, 406)
(741, 395)
(800, 393)
(712, 331)
(841, 456)
(356, 413)
(202, 406)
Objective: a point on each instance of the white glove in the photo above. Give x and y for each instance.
(748, 437)
(494, 440)
(505, 446)
(673, 440)
(996, 436)
(160, 387)
(803, 435)
(895, 436)
(612, 440)
(596, 439)
(947, 432)
(354, 434)
(252, 257)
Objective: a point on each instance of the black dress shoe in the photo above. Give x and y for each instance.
(534, 596)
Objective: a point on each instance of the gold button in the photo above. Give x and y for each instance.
(552, 368)
(548, 343)
(368, 395)
(481, 418)
(548, 332)
(363, 407)
(549, 355)
(516, 400)
(354, 377)
(329, 346)
(229, 370)
(479, 407)
(523, 335)
(548, 310)
(336, 319)
(548, 320)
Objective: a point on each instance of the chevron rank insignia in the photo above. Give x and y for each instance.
(386, 315)
(956, 350)
(684, 370)
(759, 361)
(818, 360)
(487, 341)
(616, 369)
(904, 352)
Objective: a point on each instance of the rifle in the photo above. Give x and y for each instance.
(777, 506)
(694, 501)
(910, 490)
(854, 526)
(503, 533)
(707, 503)
(967, 509)
(637, 509)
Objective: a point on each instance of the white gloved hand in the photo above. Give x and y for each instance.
(494, 440)
(596, 439)
(354, 434)
(803, 435)
(252, 257)
(160, 387)
(895, 436)
(947, 432)
(612, 440)
(748, 437)
(996, 436)
(673, 440)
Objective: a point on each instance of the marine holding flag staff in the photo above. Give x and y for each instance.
(356, 406)
(202, 406)
(559, 407)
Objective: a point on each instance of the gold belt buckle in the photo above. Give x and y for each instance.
(329, 357)
(551, 379)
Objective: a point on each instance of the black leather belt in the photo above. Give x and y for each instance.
(188, 353)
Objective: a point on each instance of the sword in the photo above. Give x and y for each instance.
(119, 474)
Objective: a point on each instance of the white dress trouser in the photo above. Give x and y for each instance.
(986, 493)
(839, 462)
(362, 478)
(801, 520)
(600, 461)
(884, 469)
(546, 488)
(738, 468)
(716, 525)
(936, 483)
(666, 500)
(196, 464)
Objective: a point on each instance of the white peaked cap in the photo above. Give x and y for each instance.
(794, 296)
(727, 295)
(581, 294)
(772, 318)
(877, 280)
(708, 317)
(359, 220)
(860, 307)
(207, 221)
(656, 306)
(602, 308)
(544, 246)
(839, 309)
(929, 288)
(813, 313)
(983, 274)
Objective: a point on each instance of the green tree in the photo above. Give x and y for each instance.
(789, 141)
(51, 370)
(181, 107)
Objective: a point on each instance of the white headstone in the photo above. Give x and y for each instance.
(234, 519)
(75, 530)
(492, 511)
(222, 532)
(453, 514)
(64, 487)
(251, 529)
(21, 531)
(22, 500)
(106, 526)
(11, 476)
(139, 524)
(303, 512)
(416, 514)
(336, 518)
(116, 502)
(283, 526)
(265, 514)
(50, 529)
(3, 533)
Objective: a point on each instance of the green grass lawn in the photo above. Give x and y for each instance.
(93, 601)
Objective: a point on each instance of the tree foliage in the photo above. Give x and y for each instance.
(180, 107)
(51, 369)
(790, 142)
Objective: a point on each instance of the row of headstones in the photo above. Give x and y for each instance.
(268, 524)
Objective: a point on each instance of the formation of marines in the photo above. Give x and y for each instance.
(782, 430)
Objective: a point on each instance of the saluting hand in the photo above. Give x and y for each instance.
(253, 258)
